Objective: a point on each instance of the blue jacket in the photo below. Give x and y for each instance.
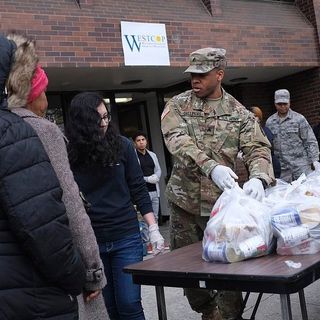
(112, 190)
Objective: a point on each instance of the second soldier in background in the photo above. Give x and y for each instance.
(294, 142)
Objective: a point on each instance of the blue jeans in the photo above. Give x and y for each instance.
(155, 204)
(122, 297)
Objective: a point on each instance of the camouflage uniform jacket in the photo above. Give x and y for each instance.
(199, 139)
(294, 142)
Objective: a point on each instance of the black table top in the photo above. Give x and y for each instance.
(184, 267)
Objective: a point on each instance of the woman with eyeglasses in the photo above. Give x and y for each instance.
(106, 168)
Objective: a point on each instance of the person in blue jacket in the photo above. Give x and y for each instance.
(106, 168)
(275, 161)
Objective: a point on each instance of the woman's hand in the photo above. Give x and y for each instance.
(90, 295)
(156, 239)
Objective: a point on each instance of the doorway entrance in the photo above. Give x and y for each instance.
(132, 117)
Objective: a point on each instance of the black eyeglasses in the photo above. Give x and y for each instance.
(106, 118)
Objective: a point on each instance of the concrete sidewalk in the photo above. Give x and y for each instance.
(269, 309)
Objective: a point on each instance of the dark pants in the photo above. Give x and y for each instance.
(185, 229)
(122, 297)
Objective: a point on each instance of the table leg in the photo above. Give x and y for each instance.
(285, 307)
(303, 305)
(255, 309)
(161, 303)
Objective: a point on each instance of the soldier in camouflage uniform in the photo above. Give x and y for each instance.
(294, 142)
(316, 130)
(204, 129)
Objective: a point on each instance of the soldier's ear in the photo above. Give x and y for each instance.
(220, 75)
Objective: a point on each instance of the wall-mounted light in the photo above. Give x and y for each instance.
(131, 82)
(239, 79)
(119, 100)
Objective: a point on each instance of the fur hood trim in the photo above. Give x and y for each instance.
(22, 70)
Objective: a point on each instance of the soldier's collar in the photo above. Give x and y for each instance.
(224, 108)
(288, 116)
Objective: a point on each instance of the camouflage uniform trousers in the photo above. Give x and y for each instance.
(186, 229)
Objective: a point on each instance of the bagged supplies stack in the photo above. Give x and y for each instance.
(239, 228)
(295, 215)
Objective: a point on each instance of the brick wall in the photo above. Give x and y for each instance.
(305, 99)
(304, 88)
(254, 33)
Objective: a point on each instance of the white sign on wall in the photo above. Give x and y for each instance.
(144, 44)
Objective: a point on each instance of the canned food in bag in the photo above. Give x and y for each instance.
(286, 218)
(215, 252)
(295, 235)
(253, 246)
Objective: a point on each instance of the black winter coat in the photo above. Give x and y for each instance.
(40, 270)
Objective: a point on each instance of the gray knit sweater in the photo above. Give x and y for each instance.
(80, 225)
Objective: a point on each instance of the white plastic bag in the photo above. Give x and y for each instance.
(295, 215)
(304, 186)
(239, 228)
(311, 185)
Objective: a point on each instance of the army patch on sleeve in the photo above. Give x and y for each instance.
(165, 112)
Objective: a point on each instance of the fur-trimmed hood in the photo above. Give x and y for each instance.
(22, 70)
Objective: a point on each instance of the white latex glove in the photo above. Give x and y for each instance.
(156, 239)
(254, 188)
(316, 165)
(223, 177)
(152, 179)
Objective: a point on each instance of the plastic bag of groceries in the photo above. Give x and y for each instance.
(295, 217)
(283, 191)
(305, 185)
(310, 186)
(276, 193)
(239, 228)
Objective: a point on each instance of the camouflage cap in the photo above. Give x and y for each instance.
(282, 96)
(206, 59)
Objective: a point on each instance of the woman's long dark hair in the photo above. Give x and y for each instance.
(87, 143)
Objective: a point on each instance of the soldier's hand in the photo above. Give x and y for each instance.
(254, 189)
(156, 239)
(223, 177)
